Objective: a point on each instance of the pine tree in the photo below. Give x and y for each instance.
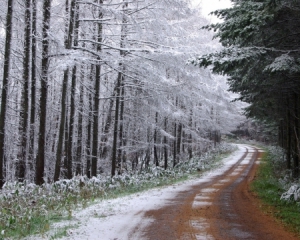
(261, 57)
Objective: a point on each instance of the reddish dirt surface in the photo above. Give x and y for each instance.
(222, 209)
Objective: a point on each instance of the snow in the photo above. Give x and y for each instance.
(285, 62)
(123, 218)
(207, 6)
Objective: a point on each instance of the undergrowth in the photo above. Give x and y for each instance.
(28, 209)
(270, 184)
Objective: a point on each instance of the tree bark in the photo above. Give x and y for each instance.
(89, 129)
(61, 134)
(7, 55)
(178, 141)
(165, 145)
(40, 161)
(155, 141)
(190, 137)
(69, 26)
(71, 125)
(121, 141)
(119, 115)
(289, 132)
(33, 86)
(116, 123)
(97, 95)
(174, 145)
(297, 137)
(73, 31)
(24, 107)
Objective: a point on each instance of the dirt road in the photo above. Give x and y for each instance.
(216, 205)
(222, 208)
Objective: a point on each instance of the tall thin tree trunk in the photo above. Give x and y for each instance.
(155, 141)
(174, 145)
(165, 145)
(71, 125)
(80, 118)
(33, 86)
(79, 137)
(297, 137)
(116, 123)
(289, 133)
(97, 95)
(74, 22)
(190, 137)
(62, 124)
(178, 142)
(107, 125)
(69, 26)
(24, 108)
(89, 129)
(96, 120)
(40, 161)
(121, 127)
(7, 54)
(120, 82)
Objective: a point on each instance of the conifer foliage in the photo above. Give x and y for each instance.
(261, 56)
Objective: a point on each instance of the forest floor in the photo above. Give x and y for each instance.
(217, 205)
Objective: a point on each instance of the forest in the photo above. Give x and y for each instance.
(261, 57)
(95, 87)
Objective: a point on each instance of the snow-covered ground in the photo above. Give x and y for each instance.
(121, 218)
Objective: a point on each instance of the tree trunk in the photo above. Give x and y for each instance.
(115, 160)
(61, 134)
(297, 137)
(73, 31)
(97, 95)
(120, 151)
(80, 130)
(190, 137)
(165, 145)
(155, 141)
(7, 55)
(33, 86)
(24, 106)
(69, 26)
(289, 133)
(174, 145)
(71, 125)
(89, 130)
(116, 123)
(107, 125)
(40, 161)
(178, 142)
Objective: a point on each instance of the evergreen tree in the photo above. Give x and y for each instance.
(261, 56)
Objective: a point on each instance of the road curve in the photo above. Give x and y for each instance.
(221, 208)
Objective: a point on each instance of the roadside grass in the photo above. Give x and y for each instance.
(269, 189)
(27, 209)
(62, 232)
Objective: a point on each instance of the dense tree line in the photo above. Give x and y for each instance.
(103, 86)
(261, 56)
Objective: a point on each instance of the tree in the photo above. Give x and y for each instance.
(99, 38)
(110, 76)
(24, 111)
(261, 58)
(40, 159)
(7, 56)
(33, 84)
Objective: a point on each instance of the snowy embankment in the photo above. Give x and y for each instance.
(123, 218)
